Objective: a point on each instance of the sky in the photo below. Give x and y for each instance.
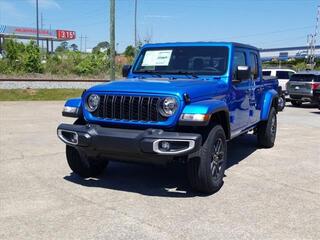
(262, 23)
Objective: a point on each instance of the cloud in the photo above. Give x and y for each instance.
(159, 16)
(46, 4)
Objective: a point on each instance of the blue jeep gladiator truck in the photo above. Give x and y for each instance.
(179, 102)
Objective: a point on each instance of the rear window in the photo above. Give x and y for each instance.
(266, 73)
(304, 78)
(282, 74)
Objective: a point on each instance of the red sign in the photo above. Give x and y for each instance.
(66, 35)
(31, 31)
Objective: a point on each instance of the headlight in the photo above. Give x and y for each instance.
(168, 106)
(92, 102)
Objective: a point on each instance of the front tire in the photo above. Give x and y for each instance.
(206, 170)
(267, 130)
(281, 103)
(82, 165)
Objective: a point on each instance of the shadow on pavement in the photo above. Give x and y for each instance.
(304, 105)
(160, 181)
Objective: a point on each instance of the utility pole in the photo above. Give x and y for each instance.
(37, 15)
(135, 24)
(112, 40)
(312, 39)
(85, 43)
(81, 43)
(41, 28)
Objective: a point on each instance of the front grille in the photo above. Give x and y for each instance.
(131, 108)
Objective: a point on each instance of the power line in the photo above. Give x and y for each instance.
(272, 32)
(276, 42)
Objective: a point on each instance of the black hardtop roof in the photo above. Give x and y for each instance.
(235, 44)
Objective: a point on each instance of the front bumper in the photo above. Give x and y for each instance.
(111, 142)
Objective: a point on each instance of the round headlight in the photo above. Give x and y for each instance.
(168, 106)
(93, 102)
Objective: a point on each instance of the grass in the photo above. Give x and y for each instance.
(38, 94)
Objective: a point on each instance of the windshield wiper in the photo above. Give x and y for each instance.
(149, 72)
(187, 73)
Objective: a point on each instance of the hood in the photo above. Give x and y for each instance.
(195, 88)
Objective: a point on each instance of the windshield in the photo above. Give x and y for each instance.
(204, 60)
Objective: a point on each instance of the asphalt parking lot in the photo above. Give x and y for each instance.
(268, 193)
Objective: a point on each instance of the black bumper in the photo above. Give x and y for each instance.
(119, 143)
(312, 98)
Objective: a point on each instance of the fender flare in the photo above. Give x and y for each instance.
(73, 102)
(266, 103)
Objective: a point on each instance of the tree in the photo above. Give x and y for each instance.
(101, 46)
(62, 47)
(74, 47)
(13, 50)
(130, 51)
(32, 57)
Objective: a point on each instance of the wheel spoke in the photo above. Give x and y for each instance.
(217, 146)
(217, 158)
(213, 169)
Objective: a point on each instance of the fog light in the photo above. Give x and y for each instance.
(69, 137)
(165, 146)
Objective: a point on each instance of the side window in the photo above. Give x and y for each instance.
(254, 65)
(239, 59)
(266, 73)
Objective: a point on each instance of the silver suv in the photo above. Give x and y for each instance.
(304, 87)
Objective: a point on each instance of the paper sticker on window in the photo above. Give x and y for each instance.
(156, 58)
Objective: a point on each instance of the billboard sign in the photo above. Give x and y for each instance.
(27, 33)
(66, 35)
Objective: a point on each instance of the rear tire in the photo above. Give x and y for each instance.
(267, 130)
(206, 169)
(83, 166)
(296, 103)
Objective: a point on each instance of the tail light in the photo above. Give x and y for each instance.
(315, 86)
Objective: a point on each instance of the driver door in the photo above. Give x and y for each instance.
(239, 105)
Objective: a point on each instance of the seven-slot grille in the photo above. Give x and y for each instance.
(131, 108)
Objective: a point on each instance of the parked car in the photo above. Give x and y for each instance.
(180, 102)
(283, 76)
(304, 87)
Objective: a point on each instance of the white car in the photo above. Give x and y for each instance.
(283, 76)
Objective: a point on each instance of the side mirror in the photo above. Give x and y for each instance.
(126, 70)
(243, 73)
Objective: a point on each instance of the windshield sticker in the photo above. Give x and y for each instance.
(157, 58)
